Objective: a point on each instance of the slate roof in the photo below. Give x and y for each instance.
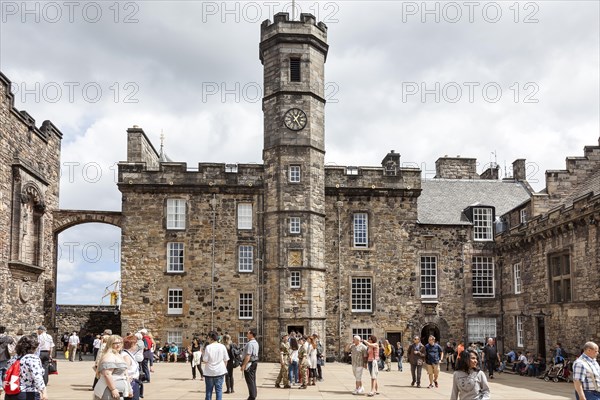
(590, 183)
(443, 200)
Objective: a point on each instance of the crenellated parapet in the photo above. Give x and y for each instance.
(373, 181)
(282, 24)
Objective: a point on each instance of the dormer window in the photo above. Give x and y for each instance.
(481, 217)
(351, 170)
(231, 168)
(294, 70)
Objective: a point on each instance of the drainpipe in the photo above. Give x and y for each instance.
(339, 205)
(213, 203)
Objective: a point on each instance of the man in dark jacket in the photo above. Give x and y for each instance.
(491, 358)
(416, 357)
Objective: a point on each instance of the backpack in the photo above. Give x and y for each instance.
(236, 355)
(12, 379)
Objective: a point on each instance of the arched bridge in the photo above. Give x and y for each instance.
(64, 219)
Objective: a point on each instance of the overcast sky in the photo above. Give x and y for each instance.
(495, 81)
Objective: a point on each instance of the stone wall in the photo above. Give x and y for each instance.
(85, 319)
(29, 177)
(456, 168)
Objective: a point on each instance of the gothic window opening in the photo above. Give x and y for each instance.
(32, 210)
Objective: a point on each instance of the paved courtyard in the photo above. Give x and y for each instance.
(173, 381)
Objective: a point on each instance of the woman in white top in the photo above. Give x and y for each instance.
(113, 382)
(215, 356)
(312, 360)
(469, 383)
(130, 348)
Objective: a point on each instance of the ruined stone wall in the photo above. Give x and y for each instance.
(29, 184)
(85, 319)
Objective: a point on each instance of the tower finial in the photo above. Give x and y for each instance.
(162, 140)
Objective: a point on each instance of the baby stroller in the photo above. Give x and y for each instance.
(558, 372)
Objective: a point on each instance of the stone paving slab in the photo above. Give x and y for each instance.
(173, 381)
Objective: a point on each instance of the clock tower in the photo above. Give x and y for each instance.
(293, 54)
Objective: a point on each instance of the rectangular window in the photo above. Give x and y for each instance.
(245, 258)
(482, 224)
(231, 168)
(364, 333)
(246, 305)
(523, 215)
(519, 324)
(295, 69)
(175, 301)
(175, 214)
(294, 225)
(361, 230)
(175, 337)
(295, 279)
(483, 277)
(481, 328)
(517, 277)
(560, 277)
(362, 294)
(428, 277)
(175, 257)
(244, 215)
(351, 170)
(294, 173)
(242, 339)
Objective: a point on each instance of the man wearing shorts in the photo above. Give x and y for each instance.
(434, 354)
(358, 352)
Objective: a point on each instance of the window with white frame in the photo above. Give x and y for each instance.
(246, 305)
(364, 333)
(481, 328)
(242, 339)
(175, 337)
(351, 170)
(517, 277)
(175, 257)
(519, 325)
(245, 258)
(175, 214)
(295, 279)
(294, 225)
(362, 295)
(231, 168)
(428, 277)
(244, 215)
(523, 215)
(361, 229)
(175, 301)
(483, 277)
(482, 223)
(294, 173)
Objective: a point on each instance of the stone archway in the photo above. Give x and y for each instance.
(430, 329)
(64, 219)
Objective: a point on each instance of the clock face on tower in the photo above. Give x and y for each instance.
(295, 119)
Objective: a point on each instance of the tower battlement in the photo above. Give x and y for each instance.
(283, 19)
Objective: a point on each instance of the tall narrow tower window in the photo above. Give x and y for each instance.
(294, 69)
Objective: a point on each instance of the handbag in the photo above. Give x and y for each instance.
(52, 368)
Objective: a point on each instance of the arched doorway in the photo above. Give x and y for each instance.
(428, 330)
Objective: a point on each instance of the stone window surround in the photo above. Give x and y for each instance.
(434, 258)
(565, 276)
(246, 305)
(517, 282)
(175, 335)
(486, 327)
(364, 333)
(244, 215)
(245, 258)
(480, 268)
(174, 298)
(172, 257)
(295, 173)
(363, 243)
(295, 225)
(519, 330)
(175, 214)
(364, 298)
(295, 279)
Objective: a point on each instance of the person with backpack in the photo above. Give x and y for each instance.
(25, 375)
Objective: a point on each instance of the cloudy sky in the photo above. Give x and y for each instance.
(492, 80)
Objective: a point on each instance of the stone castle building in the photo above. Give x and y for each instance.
(292, 244)
(29, 176)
